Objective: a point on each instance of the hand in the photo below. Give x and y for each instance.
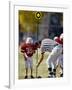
(25, 57)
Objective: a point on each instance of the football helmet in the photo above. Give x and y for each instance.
(29, 40)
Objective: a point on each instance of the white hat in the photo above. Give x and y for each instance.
(29, 40)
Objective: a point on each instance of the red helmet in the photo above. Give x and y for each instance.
(57, 39)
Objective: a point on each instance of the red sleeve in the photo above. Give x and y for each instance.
(23, 48)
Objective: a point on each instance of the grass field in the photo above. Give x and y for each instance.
(42, 69)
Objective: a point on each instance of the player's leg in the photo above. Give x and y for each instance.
(26, 66)
(51, 61)
(61, 68)
(31, 66)
(32, 73)
(54, 68)
(54, 62)
(26, 73)
(49, 64)
(60, 62)
(57, 63)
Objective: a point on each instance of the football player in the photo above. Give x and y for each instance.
(52, 58)
(28, 49)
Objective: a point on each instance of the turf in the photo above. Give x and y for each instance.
(42, 70)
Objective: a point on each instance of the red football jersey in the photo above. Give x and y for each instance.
(29, 49)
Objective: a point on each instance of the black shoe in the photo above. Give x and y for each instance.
(54, 70)
(26, 77)
(32, 76)
(39, 77)
(50, 69)
(51, 75)
(54, 74)
(61, 75)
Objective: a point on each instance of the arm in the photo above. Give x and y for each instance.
(22, 48)
(41, 59)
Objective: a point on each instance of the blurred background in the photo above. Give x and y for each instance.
(39, 25)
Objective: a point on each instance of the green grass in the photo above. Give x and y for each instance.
(42, 69)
